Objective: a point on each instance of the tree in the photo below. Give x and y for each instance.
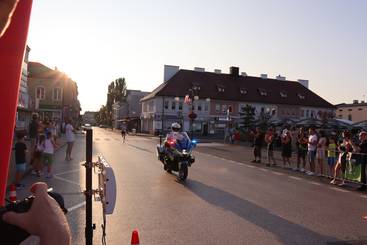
(247, 115)
(120, 90)
(264, 119)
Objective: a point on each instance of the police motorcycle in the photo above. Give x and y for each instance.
(176, 152)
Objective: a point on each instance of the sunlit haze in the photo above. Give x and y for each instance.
(95, 42)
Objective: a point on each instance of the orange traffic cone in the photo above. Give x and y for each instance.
(135, 238)
(13, 193)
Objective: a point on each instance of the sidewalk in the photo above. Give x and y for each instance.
(11, 174)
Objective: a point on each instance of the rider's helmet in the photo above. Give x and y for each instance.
(176, 127)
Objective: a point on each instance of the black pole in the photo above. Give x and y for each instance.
(88, 191)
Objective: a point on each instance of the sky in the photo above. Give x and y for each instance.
(95, 42)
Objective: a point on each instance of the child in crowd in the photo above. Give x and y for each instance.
(37, 156)
(48, 152)
(20, 159)
(331, 154)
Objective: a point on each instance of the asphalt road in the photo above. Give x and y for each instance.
(222, 202)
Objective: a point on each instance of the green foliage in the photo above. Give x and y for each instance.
(247, 115)
(116, 93)
(264, 119)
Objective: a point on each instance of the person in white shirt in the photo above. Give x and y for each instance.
(69, 132)
(312, 146)
(48, 153)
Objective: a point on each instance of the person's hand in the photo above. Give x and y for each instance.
(45, 218)
(7, 8)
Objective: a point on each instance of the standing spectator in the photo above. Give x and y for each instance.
(269, 139)
(344, 149)
(258, 142)
(331, 154)
(301, 146)
(362, 148)
(20, 159)
(48, 153)
(33, 134)
(320, 154)
(69, 132)
(312, 146)
(53, 130)
(286, 148)
(37, 155)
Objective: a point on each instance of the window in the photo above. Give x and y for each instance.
(220, 88)
(206, 106)
(166, 105)
(301, 96)
(283, 95)
(196, 86)
(307, 113)
(243, 91)
(262, 92)
(360, 109)
(173, 106)
(350, 117)
(40, 93)
(217, 107)
(180, 105)
(350, 109)
(199, 106)
(340, 109)
(224, 108)
(273, 111)
(262, 109)
(56, 95)
(312, 114)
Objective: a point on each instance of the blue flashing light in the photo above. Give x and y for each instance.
(194, 142)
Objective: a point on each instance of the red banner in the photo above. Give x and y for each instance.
(12, 48)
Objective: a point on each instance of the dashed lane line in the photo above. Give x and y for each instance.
(264, 169)
(338, 189)
(314, 183)
(295, 178)
(363, 196)
(66, 180)
(277, 173)
(76, 206)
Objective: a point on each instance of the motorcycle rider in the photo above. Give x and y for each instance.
(177, 141)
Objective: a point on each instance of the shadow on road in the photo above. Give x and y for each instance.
(286, 231)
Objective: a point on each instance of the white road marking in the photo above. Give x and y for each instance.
(66, 180)
(363, 196)
(76, 206)
(263, 169)
(314, 183)
(70, 171)
(338, 189)
(294, 177)
(277, 173)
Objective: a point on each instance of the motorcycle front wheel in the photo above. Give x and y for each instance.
(182, 174)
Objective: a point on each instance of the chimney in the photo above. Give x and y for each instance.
(169, 72)
(244, 74)
(280, 78)
(355, 101)
(304, 83)
(234, 71)
(199, 69)
(264, 76)
(218, 71)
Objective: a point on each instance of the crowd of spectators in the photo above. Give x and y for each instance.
(312, 150)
